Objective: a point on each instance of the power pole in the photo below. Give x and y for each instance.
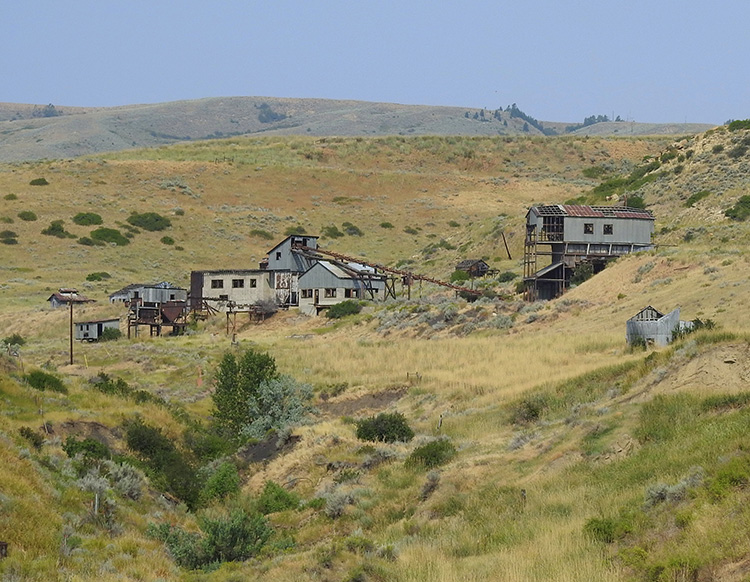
(71, 331)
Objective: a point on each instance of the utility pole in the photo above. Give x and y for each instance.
(71, 330)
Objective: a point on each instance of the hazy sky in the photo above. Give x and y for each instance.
(655, 61)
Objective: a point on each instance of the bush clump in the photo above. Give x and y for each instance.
(57, 229)
(432, 454)
(150, 221)
(9, 237)
(109, 235)
(98, 276)
(348, 307)
(35, 439)
(43, 381)
(275, 498)
(87, 219)
(39, 182)
(386, 427)
(260, 233)
(14, 339)
(741, 209)
(27, 215)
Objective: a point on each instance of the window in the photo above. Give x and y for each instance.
(588, 228)
(238, 283)
(223, 297)
(253, 283)
(351, 293)
(278, 255)
(330, 293)
(307, 294)
(217, 283)
(607, 229)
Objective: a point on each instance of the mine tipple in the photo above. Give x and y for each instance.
(560, 238)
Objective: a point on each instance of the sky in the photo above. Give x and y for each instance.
(657, 61)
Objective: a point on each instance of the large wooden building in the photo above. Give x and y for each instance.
(559, 238)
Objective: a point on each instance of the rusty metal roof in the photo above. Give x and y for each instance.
(581, 211)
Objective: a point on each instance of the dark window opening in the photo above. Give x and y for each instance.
(238, 283)
(607, 229)
(278, 256)
(330, 293)
(217, 283)
(588, 228)
(253, 283)
(223, 297)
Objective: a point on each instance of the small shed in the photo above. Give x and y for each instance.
(653, 327)
(473, 267)
(66, 296)
(91, 331)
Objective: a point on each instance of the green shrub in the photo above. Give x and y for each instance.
(275, 498)
(506, 276)
(294, 230)
(43, 381)
(738, 124)
(737, 151)
(14, 339)
(167, 240)
(150, 221)
(696, 197)
(348, 307)
(351, 229)
(98, 276)
(432, 454)
(582, 273)
(411, 230)
(259, 233)
(35, 439)
(529, 409)
(88, 448)
(386, 427)
(601, 529)
(331, 231)
(222, 482)
(109, 235)
(27, 215)
(110, 334)
(9, 241)
(741, 209)
(39, 182)
(10, 197)
(717, 149)
(90, 242)
(87, 219)
(386, 225)
(57, 229)
(459, 276)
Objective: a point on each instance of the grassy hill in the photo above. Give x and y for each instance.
(575, 457)
(29, 132)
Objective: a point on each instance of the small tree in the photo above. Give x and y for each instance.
(386, 427)
(237, 382)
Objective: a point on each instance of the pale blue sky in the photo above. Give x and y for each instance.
(651, 61)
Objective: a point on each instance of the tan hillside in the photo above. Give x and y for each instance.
(576, 458)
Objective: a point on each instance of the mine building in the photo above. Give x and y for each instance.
(474, 268)
(149, 294)
(66, 296)
(652, 327)
(225, 289)
(560, 238)
(91, 331)
(327, 283)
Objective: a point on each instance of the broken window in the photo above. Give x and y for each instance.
(223, 297)
(253, 283)
(588, 228)
(238, 283)
(351, 293)
(307, 293)
(217, 283)
(330, 293)
(607, 229)
(278, 255)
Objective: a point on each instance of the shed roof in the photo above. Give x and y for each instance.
(581, 211)
(70, 298)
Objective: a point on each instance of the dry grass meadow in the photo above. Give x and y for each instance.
(562, 433)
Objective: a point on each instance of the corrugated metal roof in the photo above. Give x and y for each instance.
(581, 211)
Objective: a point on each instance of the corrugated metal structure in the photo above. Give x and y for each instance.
(92, 330)
(652, 327)
(560, 237)
(327, 283)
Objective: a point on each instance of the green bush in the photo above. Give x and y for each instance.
(87, 219)
(110, 334)
(348, 307)
(738, 124)
(331, 231)
(222, 482)
(386, 427)
(741, 209)
(109, 235)
(696, 197)
(150, 221)
(386, 225)
(14, 339)
(167, 240)
(432, 454)
(88, 448)
(35, 439)
(43, 381)
(601, 529)
(90, 242)
(39, 182)
(98, 276)
(27, 215)
(529, 409)
(294, 230)
(275, 498)
(459, 276)
(411, 230)
(10, 197)
(506, 276)
(351, 229)
(57, 229)
(259, 233)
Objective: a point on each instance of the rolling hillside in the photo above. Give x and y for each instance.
(568, 456)
(47, 132)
